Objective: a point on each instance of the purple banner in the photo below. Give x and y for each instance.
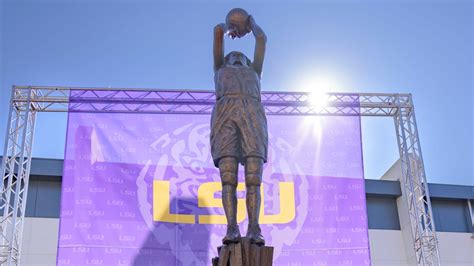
(141, 189)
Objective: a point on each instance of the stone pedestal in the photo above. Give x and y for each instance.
(243, 254)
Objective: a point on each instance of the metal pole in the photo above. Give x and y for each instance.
(9, 164)
(17, 159)
(407, 183)
(469, 205)
(430, 241)
(15, 232)
(415, 188)
(21, 206)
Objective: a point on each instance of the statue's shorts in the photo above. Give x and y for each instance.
(238, 129)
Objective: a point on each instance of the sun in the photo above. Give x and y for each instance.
(318, 88)
(318, 98)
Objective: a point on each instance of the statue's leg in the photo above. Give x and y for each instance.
(253, 180)
(228, 167)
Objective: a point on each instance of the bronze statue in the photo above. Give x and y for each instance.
(238, 122)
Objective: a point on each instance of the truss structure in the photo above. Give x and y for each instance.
(27, 101)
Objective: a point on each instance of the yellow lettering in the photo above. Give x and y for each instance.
(206, 199)
(161, 205)
(287, 206)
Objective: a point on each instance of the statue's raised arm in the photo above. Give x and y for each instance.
(219, 31)
(260, 45)
(218, 49)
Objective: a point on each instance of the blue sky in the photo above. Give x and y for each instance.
(419, 47)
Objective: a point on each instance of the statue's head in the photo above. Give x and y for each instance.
(235, 58)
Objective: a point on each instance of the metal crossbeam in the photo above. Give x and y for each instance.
(26, 101)
(64, 99)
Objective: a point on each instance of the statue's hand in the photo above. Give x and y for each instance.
(232, 31)
(239, 30)
(228, 29)
(251, 23)
(223, 27)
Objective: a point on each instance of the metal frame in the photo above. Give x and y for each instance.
(26, 101)
(471, 216)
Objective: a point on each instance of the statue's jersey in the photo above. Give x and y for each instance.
(237, 80)
(238, 122)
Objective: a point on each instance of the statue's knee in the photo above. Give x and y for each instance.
(228, 167)
(253, 180)
(253, 171)
(229, 179)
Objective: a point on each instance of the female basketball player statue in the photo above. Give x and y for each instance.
(238, 122)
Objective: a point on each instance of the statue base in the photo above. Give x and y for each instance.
(243, 254)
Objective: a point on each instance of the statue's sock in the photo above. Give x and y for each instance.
(253, 204)
(229, 200)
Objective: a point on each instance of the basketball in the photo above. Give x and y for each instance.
(238, 18)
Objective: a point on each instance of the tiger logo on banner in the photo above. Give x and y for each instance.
(183, 151)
